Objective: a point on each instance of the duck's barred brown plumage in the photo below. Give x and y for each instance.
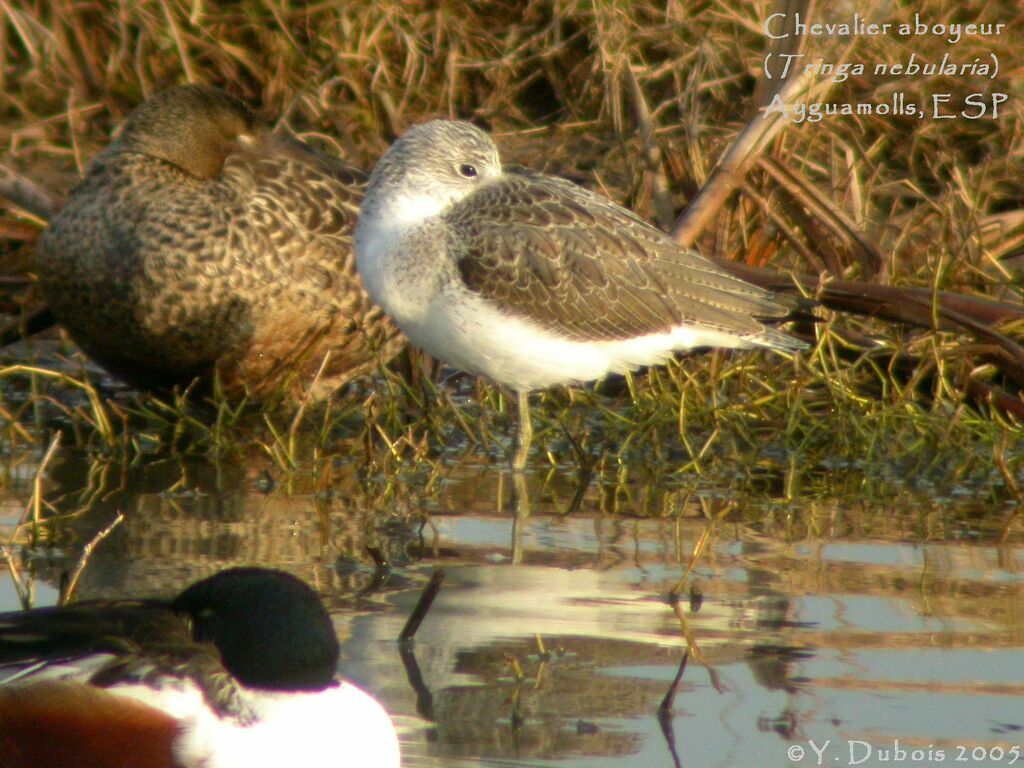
(198, 243)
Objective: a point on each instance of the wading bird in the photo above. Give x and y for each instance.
(532, 280)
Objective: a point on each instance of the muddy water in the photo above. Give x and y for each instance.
(876, 633)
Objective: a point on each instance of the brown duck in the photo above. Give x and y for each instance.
(199, 245)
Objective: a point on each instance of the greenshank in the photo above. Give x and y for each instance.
(532, 280)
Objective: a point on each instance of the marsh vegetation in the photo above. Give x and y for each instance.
(859, 504)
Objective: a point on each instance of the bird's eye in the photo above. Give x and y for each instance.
(468, 170)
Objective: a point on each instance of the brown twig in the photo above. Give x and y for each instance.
(27, 195)
(665, 710)
(668, 702)
(422, 606)
(748, 146)
(919, 307)
(824, 211)
(999, 456)
(35, 506)
(899, 304)
(738, 159)
(68, 594)
(23, 591)
(661, 198)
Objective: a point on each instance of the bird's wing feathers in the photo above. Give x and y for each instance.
(585, 268)
(60, 633)
(319, 194)
(132, 641)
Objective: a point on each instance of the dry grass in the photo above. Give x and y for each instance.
(908, 202)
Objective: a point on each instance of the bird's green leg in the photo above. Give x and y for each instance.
(525, 434)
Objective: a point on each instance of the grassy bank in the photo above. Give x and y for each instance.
(890, 200)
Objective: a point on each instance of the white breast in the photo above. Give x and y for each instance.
(342, 725)
(399, 278)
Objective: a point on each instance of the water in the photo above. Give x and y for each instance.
(886, 632)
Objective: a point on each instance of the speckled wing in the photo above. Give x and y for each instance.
(585, 268)
(306, 294)
(297, 207)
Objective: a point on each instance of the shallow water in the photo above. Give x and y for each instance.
(882, 632)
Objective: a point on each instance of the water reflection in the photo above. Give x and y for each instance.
(552, 639)
(187, 518)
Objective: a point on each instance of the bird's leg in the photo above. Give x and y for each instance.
(525, 434)
(520, 514)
